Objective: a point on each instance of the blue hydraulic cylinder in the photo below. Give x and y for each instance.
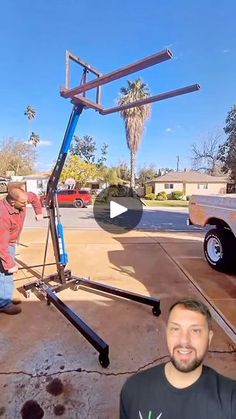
(61, 243)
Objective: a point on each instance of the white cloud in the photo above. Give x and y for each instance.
(226, 51)
(44, 143)
(169, 129)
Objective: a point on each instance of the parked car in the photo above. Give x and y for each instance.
(78, 198)
(3, 185)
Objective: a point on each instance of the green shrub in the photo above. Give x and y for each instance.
(161, 196)
(150, 196)
(177, 195)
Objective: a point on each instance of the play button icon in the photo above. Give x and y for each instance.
(118, 209)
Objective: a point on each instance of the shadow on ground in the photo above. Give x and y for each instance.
(46, 360)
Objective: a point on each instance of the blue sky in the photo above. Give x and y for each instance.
(108, 35)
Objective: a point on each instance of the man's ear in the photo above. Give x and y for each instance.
(211, 334)
(12, 202)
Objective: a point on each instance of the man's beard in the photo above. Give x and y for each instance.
(187, 367)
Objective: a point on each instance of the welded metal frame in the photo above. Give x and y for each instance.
(63, 276)
(74, 93)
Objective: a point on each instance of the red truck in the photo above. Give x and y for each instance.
(76, 197)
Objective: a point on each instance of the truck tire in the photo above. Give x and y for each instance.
(78, 203)
(219, 249)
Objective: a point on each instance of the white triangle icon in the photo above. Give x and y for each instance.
(116, 209)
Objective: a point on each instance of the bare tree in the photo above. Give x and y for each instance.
(16, 156)
(205, 154)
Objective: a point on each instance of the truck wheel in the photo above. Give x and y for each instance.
(78, 203)
(219, 249)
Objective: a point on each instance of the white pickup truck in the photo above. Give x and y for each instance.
(218, 211)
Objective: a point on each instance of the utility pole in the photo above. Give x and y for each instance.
(177, 168)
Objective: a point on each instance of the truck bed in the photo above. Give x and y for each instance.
(226, 201)
(203, 208)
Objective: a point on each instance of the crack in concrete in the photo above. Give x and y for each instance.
(83, 370)
(233, 351)
(215, 311)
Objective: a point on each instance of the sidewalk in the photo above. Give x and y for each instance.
(44, 358)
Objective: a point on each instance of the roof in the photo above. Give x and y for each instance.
(37, 176)
(189, 177)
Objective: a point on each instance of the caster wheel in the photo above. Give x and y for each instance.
(48, 302)
(104, 360)
(156, 311)
(76, 287)
(27, 294)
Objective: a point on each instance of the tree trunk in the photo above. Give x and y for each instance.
(132, 168)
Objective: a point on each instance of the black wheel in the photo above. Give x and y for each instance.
(78, 203)
(156, 311)
(219, 249)
(104, 360)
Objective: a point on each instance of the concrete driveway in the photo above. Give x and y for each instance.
(153, 218)
(46, 364)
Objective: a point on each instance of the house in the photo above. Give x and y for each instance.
(36, 182)
(95, 185)
(188, 182)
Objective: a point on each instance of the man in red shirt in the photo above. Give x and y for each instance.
(12, 216)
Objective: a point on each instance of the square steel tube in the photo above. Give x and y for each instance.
(162, 96)
(157, 58)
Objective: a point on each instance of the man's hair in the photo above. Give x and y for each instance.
(194, 305)
(16, 185)
(15, 194)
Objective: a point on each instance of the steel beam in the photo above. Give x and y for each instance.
(87, 103)
(78, 60)
(99, 344)
(157, 58)
(162, 96)
(108, 289)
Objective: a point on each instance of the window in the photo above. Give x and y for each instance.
(39, 183)
(202, 186)
(169, 186)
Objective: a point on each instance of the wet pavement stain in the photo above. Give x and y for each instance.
(55, 387)
(32, 410)
(59, 410)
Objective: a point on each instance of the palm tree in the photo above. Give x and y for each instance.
(134, 118)
(30, 113)
(34, 139)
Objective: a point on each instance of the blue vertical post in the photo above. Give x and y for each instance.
(57, 234)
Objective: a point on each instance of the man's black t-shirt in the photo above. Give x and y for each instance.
(148, 395)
